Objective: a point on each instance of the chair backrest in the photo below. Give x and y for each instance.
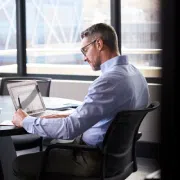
(120, 140)
(43, 83)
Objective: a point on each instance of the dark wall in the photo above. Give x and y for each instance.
(170, 92)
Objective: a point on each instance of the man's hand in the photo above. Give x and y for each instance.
(18, 117)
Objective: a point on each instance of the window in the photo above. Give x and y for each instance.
(53, 30)
(140, 33)
(8, 37)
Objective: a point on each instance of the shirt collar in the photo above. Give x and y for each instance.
(118, 60)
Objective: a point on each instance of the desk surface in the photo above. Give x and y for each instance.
(8, 111)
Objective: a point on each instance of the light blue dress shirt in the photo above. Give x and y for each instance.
(120, 87)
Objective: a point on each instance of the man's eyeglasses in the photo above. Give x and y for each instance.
(84, 49)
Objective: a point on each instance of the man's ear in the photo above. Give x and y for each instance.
(100, 44)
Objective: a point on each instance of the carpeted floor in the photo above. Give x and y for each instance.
(145, 167)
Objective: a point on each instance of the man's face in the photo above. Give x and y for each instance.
(91, 52)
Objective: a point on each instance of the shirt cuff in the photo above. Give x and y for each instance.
(28, 123)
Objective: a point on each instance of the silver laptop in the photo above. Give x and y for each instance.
(27, 96)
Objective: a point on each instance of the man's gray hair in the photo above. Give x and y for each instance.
(104, 31)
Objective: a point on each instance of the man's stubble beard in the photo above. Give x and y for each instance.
(98, 63)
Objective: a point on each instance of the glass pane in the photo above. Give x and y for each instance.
(53, 33)
(8, 37)
(141, 31)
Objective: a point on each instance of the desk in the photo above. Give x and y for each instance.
(8, 111)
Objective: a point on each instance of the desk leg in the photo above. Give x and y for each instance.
(7, 156)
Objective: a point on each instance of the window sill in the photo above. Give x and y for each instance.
(81, 70)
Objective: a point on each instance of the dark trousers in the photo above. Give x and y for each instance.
(7, 156)
(65, 162)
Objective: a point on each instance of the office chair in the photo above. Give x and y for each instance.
(43, 83)
(26, 141)
(118, 153)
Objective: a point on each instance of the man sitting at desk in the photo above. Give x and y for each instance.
(120, 87)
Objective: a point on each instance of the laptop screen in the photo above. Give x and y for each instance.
(26, 95)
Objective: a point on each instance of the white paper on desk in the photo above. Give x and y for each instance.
(6, 123)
